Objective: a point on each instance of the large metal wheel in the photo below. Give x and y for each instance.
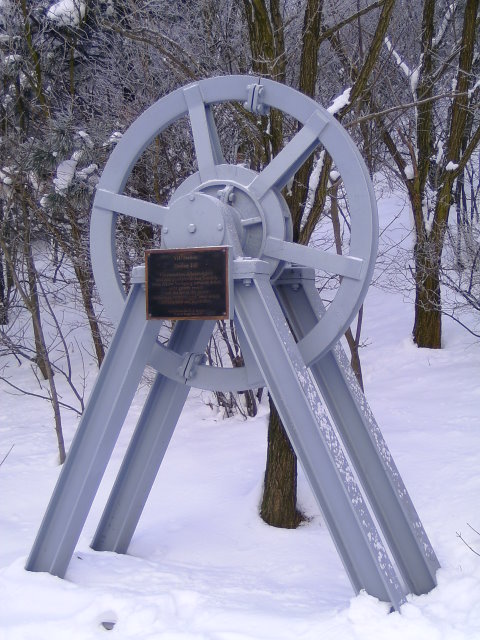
(195, 213)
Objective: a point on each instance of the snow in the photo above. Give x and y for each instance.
(398, 59)
(86, 138)
(202, 565)
(340, 101)
(67, 12)
(12, 59)
(5, 175)
(447, 18)
(65, 175)
(451, 166)
(115, 137)
(87, 171)
(473, 89)
(411, 74)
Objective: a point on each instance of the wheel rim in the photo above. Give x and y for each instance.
(258, 192)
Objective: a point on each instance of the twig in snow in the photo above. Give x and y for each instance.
(459, 535)
(6, 455)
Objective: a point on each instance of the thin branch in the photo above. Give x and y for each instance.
(400, 107)
(38, 395)
(328, 33)
(459, 535)
(6, 455)
(451, 315)
(67, 374)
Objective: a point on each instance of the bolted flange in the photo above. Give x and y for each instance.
(194, 220)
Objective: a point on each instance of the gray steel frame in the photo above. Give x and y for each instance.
(287, 337)
(295, 390)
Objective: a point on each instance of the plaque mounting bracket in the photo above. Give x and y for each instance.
(190, 363)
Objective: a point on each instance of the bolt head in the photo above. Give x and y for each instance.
(192, 228)
(164, 229)
(220, 226)
(191, 197)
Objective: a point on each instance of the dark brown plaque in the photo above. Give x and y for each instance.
(187, 284)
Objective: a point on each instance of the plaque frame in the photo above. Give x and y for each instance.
(224, 301)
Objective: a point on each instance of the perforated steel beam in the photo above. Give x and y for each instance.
(362, 438)
(315, 442)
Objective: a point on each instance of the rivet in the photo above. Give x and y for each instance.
(164, 229)
(192, 228)
(191, 197)
(220, 226)
(247, 282)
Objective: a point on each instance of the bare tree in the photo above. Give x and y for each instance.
(432, 145)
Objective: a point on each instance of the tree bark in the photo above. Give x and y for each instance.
(279, 502)
(427, 328)
(86, 290)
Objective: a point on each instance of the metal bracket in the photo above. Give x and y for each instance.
(189, 365)
(254, 101)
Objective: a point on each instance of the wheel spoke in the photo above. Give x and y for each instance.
(205, 136)
(346, 266)
(141, 209)
(290, 158)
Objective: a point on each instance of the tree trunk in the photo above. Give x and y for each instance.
(87, 297)
(34, 302)
(278, 507)
(427, 328)
(279, 502)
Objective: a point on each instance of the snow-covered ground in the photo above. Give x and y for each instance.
(203, 566)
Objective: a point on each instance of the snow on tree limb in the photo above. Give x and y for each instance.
(340, 101)
(67, 13)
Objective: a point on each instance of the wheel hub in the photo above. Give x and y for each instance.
(254, 219)
(196, 220)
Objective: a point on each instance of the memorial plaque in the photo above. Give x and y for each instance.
(187, 284)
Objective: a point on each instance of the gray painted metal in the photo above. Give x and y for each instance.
(148, 446)
(95, 438)
(362, 438)
(262, 212)
(246, 210)
(315, 442)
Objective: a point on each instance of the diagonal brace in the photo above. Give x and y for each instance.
(315, 442)
(95, 438)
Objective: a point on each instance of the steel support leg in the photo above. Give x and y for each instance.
(95, 439)
(315, 442)
(148, 446)
(364, 443)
